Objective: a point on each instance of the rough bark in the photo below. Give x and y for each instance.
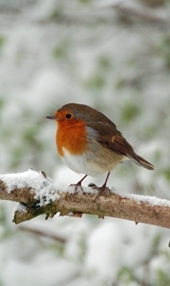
(35, 202)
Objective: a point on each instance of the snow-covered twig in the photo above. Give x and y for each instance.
(38, 195)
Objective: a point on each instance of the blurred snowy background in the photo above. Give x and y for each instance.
(113, 56)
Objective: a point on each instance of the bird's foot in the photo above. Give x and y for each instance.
(92, 185)
(102, 191)
(77, 187)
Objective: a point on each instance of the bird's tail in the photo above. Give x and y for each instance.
(141, 161)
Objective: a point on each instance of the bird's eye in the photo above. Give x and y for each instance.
(68, 116)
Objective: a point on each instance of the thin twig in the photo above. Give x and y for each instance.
(43, 233)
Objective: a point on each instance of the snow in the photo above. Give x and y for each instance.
(110, 62)
(20, 208)
(104, 244)
(29, 178)
(21, 272)
(151, 200)
(44, 188)
(72, 178)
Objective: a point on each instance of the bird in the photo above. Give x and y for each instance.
(89, 143)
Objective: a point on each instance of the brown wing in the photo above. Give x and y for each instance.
(119, 144)
(109, 137)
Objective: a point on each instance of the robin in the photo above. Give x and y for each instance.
(89, 143)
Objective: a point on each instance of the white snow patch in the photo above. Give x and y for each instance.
(104, 250)
(86, 190)
(152, 200)
(44, 188)
(29, 178)
(20, 208)
(64, 175)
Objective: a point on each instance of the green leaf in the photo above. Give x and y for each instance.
(96, 81)
(2, 41)
(130, 111)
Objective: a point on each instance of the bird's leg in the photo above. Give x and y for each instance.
(104, 185)
(79, 184)
(102, 189)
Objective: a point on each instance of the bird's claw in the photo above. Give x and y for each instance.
(93, 186)
(77, 186)
(102, 191)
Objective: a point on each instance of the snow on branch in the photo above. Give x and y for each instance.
(37, 194)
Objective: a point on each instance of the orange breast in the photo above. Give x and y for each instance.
(71, 135)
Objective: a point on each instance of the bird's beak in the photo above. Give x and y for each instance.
(52, 117)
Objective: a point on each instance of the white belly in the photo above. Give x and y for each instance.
(80, 164)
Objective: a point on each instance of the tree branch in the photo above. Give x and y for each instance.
(145, 14)
(39, 232)
(38, 195)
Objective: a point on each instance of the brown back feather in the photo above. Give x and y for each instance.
(109, 137)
